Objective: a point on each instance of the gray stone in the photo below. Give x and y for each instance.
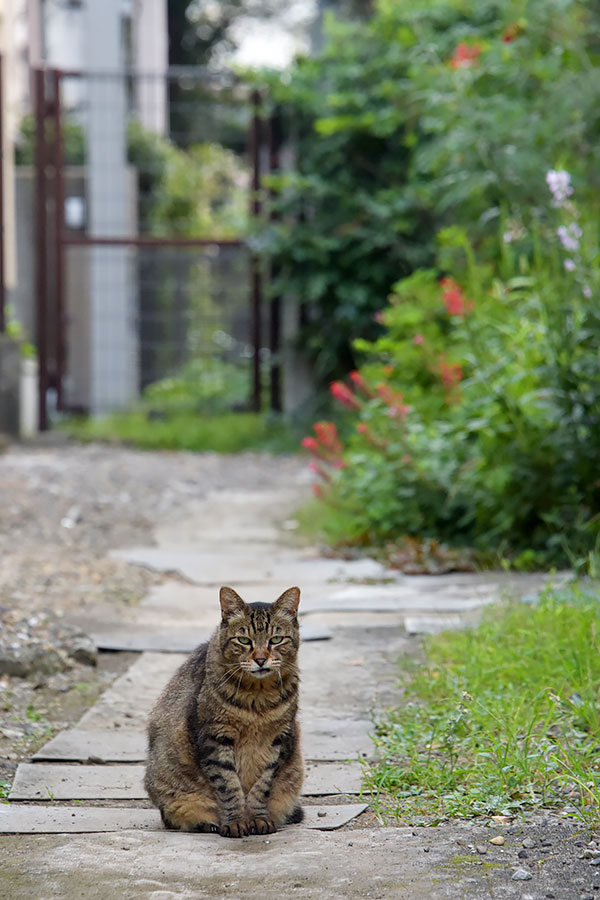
(18, 818)
(31, 659)
(38, 781)
(529, 843)
(521, 875)
(82, 649)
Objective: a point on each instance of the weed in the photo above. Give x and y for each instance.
(186, 430)
(499, 719)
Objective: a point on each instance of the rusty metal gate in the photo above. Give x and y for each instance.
(146, 188)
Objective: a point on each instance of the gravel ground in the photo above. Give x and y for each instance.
(63, 507)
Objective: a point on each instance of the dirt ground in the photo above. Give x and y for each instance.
(63, 507)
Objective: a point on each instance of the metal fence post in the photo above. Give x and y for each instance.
(275, 141)
(2, 234)
(255, 273)
(41, 253)
(59, 249)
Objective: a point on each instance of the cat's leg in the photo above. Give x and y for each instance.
(190, 812)
(283, 800)
(273, 797)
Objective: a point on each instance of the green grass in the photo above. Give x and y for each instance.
(500, 719)
(222, 433)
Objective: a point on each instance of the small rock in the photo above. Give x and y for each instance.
(521, 875)
(587, 897)
(522, 854)
(321, 814)
(595, 862)
(590, 854)
(498, 841)
(481, 849)
(528, 843)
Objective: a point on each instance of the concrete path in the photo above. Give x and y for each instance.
(83, 824)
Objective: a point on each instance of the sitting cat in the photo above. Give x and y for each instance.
(224, 743)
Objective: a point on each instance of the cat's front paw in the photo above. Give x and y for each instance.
(261, 825)
(234, 829)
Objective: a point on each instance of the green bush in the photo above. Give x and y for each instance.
(478, 411)
(440, 113)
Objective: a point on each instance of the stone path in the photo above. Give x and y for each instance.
(78, 809)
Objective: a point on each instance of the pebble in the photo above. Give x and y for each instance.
(481, 849)
(595, 862)
(528, 843)
(523, 854)
(587, 897)
(498, 841)
(521, 875)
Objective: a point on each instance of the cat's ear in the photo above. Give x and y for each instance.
(231, 603)
(288, 602)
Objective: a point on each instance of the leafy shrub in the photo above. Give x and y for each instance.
(479, 409)
(434, 114)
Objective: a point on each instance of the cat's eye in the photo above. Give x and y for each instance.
(244, 640)
(276, 639)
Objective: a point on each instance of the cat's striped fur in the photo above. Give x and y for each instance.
(224, 742)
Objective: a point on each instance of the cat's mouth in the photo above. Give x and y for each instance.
(261, 673)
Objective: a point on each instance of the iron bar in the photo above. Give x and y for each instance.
(73, 240)
(2, 231)
(255, 272)
(41, 253)
(275, 141)
(59, 263)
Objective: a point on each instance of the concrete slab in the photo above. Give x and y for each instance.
(230, 567)
(232, 518)
(95, 746)
(324, 739)
(40, 781)
(386, 863)
(128, 701)
(18, 818)
(137, 638)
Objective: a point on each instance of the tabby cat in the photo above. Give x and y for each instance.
(224, 743)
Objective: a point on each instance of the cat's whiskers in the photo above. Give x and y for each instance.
(229, 676)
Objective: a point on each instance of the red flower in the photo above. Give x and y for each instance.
(454, 300)
(327, 435)
(362, 428)
(465, 56)
(360, 383)
(310, 444)
(344, 395)
(451, 373)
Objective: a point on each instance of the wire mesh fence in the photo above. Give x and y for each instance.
(148, 185)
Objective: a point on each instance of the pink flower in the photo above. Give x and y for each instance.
(344, 395)
(362, 428)
(378, 317)
(310, 444)
(418, 339)
(465, 56)
(406, 459)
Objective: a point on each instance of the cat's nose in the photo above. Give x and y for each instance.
(261, 660)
